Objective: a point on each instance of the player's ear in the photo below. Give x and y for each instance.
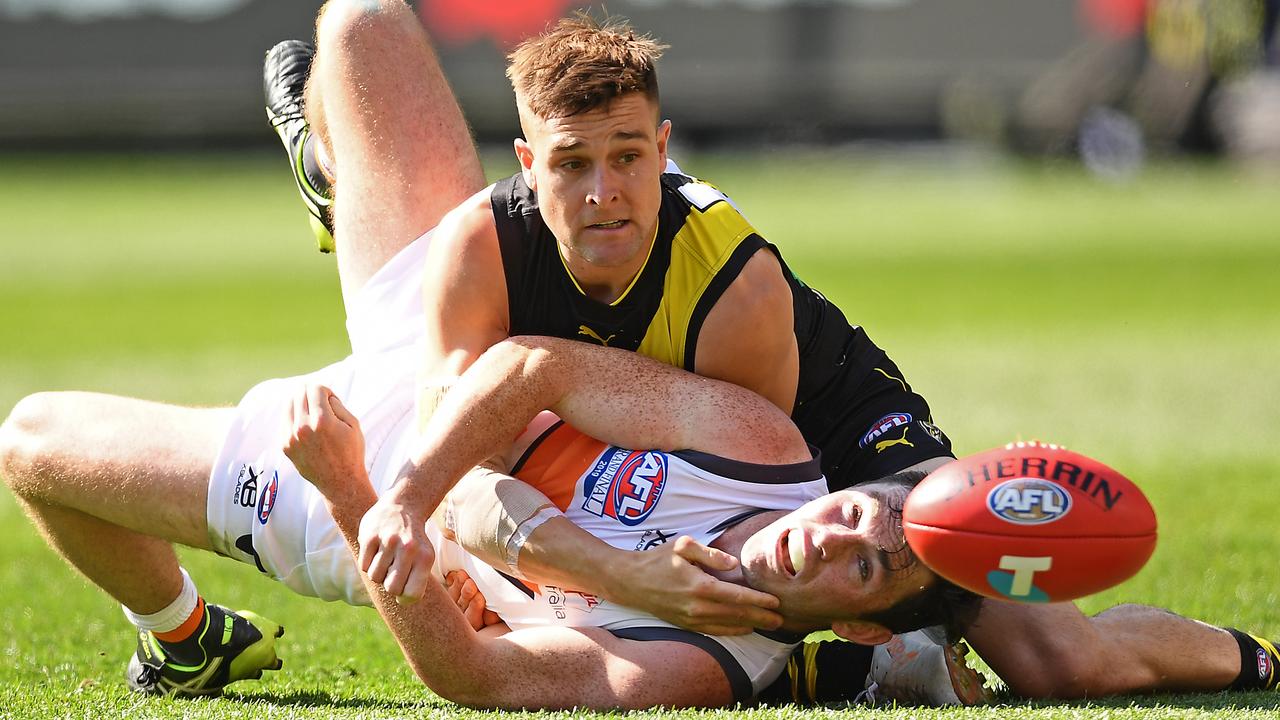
(664, 134)
(524, 153)
(862, 632)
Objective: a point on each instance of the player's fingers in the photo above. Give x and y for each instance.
(478, 601)
(734, 595)
(341, 412)
(416, 586)
(317, 403)
(453, 586)
(402, 566)
(380, 565)
(491, 618)
(735, 619)
(474, 613)
(707, 557)
(369, 545)
(469, 590)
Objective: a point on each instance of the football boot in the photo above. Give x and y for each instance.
(916, 669)
(284, 79)
(231, 646)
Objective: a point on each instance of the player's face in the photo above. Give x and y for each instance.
(836, 558)
(597, 176)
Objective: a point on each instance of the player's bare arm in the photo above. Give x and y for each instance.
(629, 400)
(464, 297)
(748, 338)
(546, 668)
(464, 289)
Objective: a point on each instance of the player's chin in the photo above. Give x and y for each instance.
(609, 249)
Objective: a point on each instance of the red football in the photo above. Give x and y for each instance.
(1031, 522)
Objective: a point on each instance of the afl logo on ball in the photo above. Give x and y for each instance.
(267, 498)
(1029, 501)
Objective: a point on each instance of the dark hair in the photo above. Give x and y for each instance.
(938, 603)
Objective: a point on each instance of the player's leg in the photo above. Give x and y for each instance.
(1045, 651)
(400, 149)
(111, 482)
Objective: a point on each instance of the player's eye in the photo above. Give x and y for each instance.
(852, 514)
(572, 164)
(864, 568)
(628, 158)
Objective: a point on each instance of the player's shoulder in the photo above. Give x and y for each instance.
(469, 224)
(695, 192)
(760, 288)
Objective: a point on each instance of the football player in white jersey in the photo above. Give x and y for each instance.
(112, 481)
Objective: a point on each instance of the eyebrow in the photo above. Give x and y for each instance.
(624, 135)
(885, 558)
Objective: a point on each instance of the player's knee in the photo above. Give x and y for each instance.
(368, 23)
(24, 440)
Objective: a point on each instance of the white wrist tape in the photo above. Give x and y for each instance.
(516, 542)
(492, 516)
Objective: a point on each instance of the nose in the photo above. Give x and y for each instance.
(604, 186)
(835, 539)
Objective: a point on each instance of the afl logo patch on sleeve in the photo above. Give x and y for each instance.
(625, 485)
(1028, 501)
(267, 498)
(884, 425)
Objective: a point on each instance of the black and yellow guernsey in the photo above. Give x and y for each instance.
(702, 244)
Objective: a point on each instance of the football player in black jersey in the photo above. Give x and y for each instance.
(596, 196)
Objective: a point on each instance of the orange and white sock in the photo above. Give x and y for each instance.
(177, 620)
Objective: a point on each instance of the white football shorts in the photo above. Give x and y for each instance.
(261, 511)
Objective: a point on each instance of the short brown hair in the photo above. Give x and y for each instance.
(581, 64)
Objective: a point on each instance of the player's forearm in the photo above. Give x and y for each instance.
(514, 527)
(436, 641)
(562, 554)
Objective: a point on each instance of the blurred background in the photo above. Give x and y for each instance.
(1112, 81)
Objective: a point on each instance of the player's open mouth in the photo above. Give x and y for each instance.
(611, 225)
(791, 555)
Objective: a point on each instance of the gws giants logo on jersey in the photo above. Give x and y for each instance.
(625, 485)
(267, 498)
(884, 425)
(1028, 501)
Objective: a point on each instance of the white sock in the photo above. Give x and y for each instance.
(173, 614)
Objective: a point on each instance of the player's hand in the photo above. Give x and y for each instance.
(324, 441)
(394, 549)
(669, 582)
(464, 593)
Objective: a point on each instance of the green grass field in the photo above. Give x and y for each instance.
(1138, 323)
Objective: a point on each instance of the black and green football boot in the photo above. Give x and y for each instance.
(284, 79)
(230, 646)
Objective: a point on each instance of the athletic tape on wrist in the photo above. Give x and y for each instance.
(486, 511)
(521, 535)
